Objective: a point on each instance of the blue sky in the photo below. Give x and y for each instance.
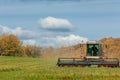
(59, 22)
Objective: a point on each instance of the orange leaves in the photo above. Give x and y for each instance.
(10, 45)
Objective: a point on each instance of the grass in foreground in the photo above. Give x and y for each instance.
(18, 68)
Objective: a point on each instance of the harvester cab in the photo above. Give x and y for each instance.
(93, 56)
(93, 50)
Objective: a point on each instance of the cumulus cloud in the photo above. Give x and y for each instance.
(70, 39)
(29, 42)
(46, 39)
(52, 23)
(17, 31)
(64, 40)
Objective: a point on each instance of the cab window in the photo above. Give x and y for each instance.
(92, 49)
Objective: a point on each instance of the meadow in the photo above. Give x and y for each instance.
(25, 68)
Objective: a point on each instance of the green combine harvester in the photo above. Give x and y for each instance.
(94, 56)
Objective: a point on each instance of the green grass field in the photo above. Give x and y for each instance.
(19, 68)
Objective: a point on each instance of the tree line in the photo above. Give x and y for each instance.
(10, 45)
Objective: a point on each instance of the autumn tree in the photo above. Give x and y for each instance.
(33, 51)
(10, 45)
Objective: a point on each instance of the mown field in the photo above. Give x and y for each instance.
(18, 68)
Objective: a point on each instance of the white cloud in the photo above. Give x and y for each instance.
(63, 40)
(5, 29)
(25, 35)
(17, 31)
(29, 42)
(55, 23)
(44, 39)
(70, 39)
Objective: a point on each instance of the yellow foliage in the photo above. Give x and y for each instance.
(10, 45)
